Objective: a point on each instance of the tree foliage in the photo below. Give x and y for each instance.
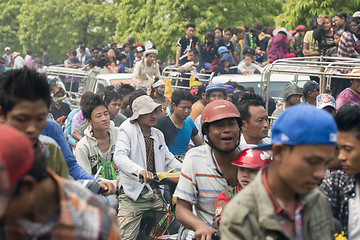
(9, 25)
(60, 23)
(297, 12)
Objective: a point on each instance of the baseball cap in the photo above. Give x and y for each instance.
(303, 124)
(325, 100)
(290, 90)
(222, 49)
(143, 105)
(16, 159)
(310, 86)
(7, 49)
(229, 88)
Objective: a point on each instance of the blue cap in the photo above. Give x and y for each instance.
(226, 57)
(222, 49)
(229, 88)
(215, 87)
(303, 124)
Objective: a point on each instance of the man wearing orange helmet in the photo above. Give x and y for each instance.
(248, 162)
(208, 169)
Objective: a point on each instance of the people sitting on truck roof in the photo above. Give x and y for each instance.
(247, 66)
(193, 65)
(147, 70)
(292, 95)
(72, 62)
(224, 67)
(208, 50)
(220, 52)
(351, 94)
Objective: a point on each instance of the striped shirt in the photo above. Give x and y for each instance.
(81, 215)
(200, 182)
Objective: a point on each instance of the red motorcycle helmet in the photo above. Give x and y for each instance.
(217, 110)
(250, 158)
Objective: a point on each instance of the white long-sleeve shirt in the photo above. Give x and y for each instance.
(252, 67)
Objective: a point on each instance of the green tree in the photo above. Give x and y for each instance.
(60, 23)
(9, 25)
(163, 22)
(297, 12)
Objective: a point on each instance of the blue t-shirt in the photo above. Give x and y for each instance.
(122, 68)
(177, 139)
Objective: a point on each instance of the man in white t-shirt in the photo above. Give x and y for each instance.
(193, 65)
(255, 122)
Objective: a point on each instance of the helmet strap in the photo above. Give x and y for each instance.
(212, 145)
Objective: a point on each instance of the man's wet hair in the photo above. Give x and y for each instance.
(190, 25)
(348, 119)
(89, 107)
(181, 94)
(110, 95)
(22, 84)
(125, 89)
(249, 99)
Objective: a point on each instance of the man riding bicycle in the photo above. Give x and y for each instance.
(140, 150)
(207, 169)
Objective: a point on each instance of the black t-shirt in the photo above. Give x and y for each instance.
(186, 45)
(170, 131)
(63, 111)
(221, 42)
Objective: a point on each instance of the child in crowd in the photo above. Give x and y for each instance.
(249, 162)
(247, 66)
(333, 51)
(40, 68)
(113, 68)
(224, 66)
(121, 65)
(139, 54)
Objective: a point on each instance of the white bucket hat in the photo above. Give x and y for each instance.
(143, 105)
(277, 30)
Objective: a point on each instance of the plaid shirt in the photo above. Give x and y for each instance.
(81, 216)
(291, 224)
(339, 188)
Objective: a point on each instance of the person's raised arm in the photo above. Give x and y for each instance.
(178, 53)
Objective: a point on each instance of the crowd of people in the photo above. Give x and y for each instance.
(242, 177)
